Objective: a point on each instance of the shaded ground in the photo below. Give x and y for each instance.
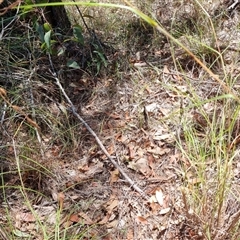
(138, 112)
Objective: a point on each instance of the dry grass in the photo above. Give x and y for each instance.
(171, 127)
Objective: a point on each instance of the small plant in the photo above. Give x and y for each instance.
(45, 34)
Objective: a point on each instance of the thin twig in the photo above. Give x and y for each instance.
(129, 180)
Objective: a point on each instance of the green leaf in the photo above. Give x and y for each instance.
(101, 56)
(47, 38)
(77, 33)
(40, 31)
(73, 64)
(61, 51)
(21, 234)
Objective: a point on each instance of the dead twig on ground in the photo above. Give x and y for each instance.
(131, 182)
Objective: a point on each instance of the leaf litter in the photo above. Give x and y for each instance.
(140, 132)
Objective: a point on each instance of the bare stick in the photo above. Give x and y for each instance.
(131, 182)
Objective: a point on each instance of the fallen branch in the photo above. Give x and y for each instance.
(131, 182)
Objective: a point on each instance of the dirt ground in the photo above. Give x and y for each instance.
(68, 188)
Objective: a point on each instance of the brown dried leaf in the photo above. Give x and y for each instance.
(26, 217)
(130, 234)
(165, 69)
(159, 151)
(155, 207)
(114, 176)
(132, 152)
(140, 165)
(3, 92)
(74, 218)
(105, 219)
(141, 219)
(87, 219)
(113, 203)
(151, 161)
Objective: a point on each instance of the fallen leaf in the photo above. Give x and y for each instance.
(164, 211)
(131, 150)
(87, 219)
(159, 151)
(67, 224)
(140, 165)
(165, 69)
(155, 207)
(111, 149)
(139, 64)
(130, 234)
(165, 111)
(152, 107)
(114, 176)
(160, 197)
(26, 217)
(148, 90)
(141, 219)
(112, 205)
(113, 224)
(164, 137)
(74, 218)
(114, 115)
(105, 219)
(151, 161)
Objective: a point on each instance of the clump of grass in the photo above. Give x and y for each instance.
(208, 175)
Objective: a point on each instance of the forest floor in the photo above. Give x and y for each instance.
(172, 128)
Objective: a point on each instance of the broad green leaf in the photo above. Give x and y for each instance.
(21, 234)
(73, 64)
(47, 38)
(77, 33)
(40, 31)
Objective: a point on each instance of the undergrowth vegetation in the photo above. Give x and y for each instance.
(162, 94)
